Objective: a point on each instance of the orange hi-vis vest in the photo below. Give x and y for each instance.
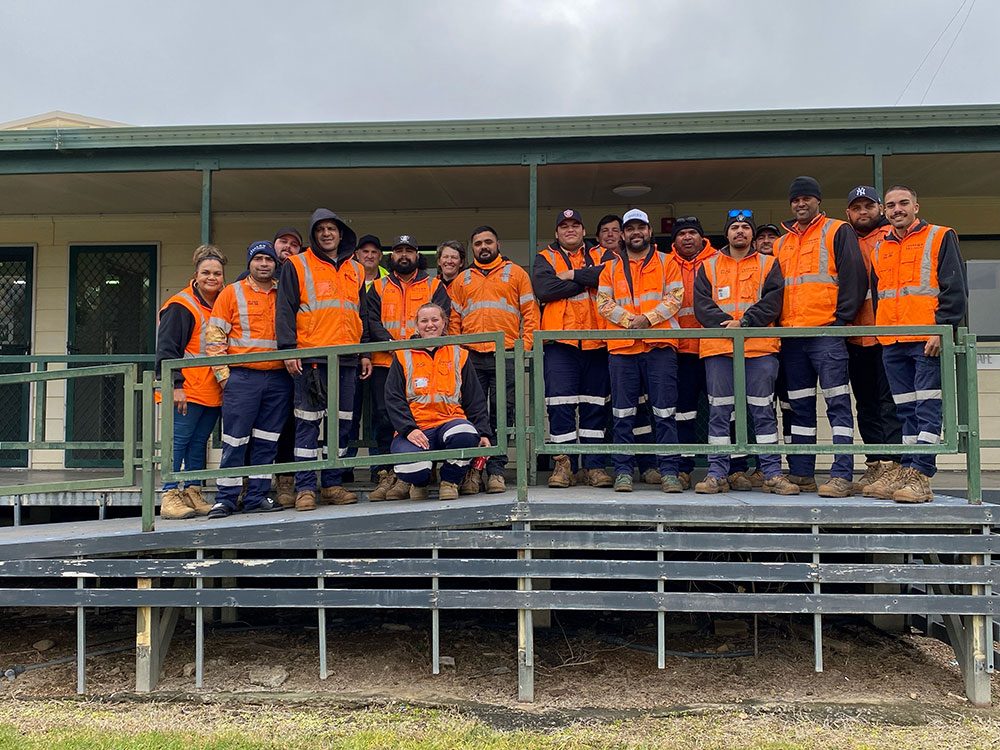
(200, 386)
(434, 384)
(400, 302)
(638, 287)
(689, 270)
(497, 297)
(907, 280)
(736, 286)
(810, 270)
(866, 315)
(329, 311)
(576, 313)
(245, 313)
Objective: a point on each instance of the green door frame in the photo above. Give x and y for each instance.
(24, 253)
(75, 251)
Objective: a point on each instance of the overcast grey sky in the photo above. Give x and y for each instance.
(177, 62)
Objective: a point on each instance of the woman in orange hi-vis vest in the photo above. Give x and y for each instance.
(435, 402)
(196, 396)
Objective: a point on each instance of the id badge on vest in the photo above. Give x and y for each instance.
(723, 292)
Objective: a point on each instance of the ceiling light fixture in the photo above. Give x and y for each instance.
(633, 190)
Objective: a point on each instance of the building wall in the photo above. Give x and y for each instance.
(178, 234)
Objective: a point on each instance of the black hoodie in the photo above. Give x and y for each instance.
(287, 302)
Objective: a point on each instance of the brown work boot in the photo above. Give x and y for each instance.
(780, 485)
(916, 488)
(711, 486)
(836, 487)
(562, 473)
(337, 495)
(418, 493)
(685, 479)
(386, 479)
(805, 484)
(495, 484)
(286, 492)
(448, 491)
(305, 500)
(740, 482)
(757, 479)
(871, 475)
(599, 478)
(174, 507)
(470, 484)
(651, 476)
(194, 499)
(888, 482)
(399, 491)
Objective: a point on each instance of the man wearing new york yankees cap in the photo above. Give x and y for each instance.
(565, 278)
(825, 285)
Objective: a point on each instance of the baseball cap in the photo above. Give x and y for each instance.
(570, 214)
(292, 231)
(863, 191)
(635, 215)
(405, 239)
(772, 227)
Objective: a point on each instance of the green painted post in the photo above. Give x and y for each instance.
(206, 206)
(40, 409)
(877, 176)
(148, 466)
(532, 209)
(972, 457)
(520, 428)
(740, 389)
(130, 379)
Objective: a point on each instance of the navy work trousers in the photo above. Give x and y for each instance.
(877, 418)
(576, 382)
(915, 380)
(458, 433)
(254, 404)
(690, 386)
(309, 415)
(805, 360)
(484, 364)
(760, 376)
(655, 374)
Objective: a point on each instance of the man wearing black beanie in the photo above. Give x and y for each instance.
(825, 284)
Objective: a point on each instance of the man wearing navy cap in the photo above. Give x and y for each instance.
(255, 395)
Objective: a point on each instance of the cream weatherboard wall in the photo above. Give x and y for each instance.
(177, 235)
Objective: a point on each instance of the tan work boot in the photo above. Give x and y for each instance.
(836, 487)
(916, 488)
(337, 495)
(470, 484)
(805, 484)
(757, 478)
(448, 491)
(685, 479)
(872, 473)
(780, 485)
(418, 493)
(888, 482)
(651, 476)
(399, 491)
(305, 500)
(386, 479)
(711, 486)
(174, 507)
(495, 484)
(599, 478)
(739, 481)
(286, 492)
(196, 500)
(562, 473)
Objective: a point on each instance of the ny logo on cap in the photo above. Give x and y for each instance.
(859, 191)
(568, 212)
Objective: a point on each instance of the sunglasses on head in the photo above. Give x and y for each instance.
(741, 213)
(686, 220)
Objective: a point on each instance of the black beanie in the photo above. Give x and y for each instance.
(804, 186)
(687, 222)
(745, 218)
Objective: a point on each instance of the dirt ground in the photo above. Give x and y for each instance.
(582, 660)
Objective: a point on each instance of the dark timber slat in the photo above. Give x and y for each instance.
(512, 599)
(505, 568)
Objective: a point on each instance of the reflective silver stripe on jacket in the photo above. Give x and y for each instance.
(925, 289)
(244, 312)
(202, 325)
(454, 398)
(822, 275)
(312, 303)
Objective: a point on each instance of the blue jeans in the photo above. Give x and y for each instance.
(191, 434)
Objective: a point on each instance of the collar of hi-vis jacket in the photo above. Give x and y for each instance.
(420, 275)
(587, 260)
(706, 251)
(916, 226)
(491, 266)
(726, 251)
(792, 226)
(324, 258)
(627, 265)
(878, 228)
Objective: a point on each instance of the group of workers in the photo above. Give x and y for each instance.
(884, 266)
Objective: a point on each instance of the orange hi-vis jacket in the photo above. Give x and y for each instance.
(579, 312)
(242, 322)
(866, 315)
(736, 286)
(495, 297)
(329, 311)
(907, 272)
(689, 269)
(810, 270)
(650, 286)
(434, 384)
(400, 301)
(200, 386)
